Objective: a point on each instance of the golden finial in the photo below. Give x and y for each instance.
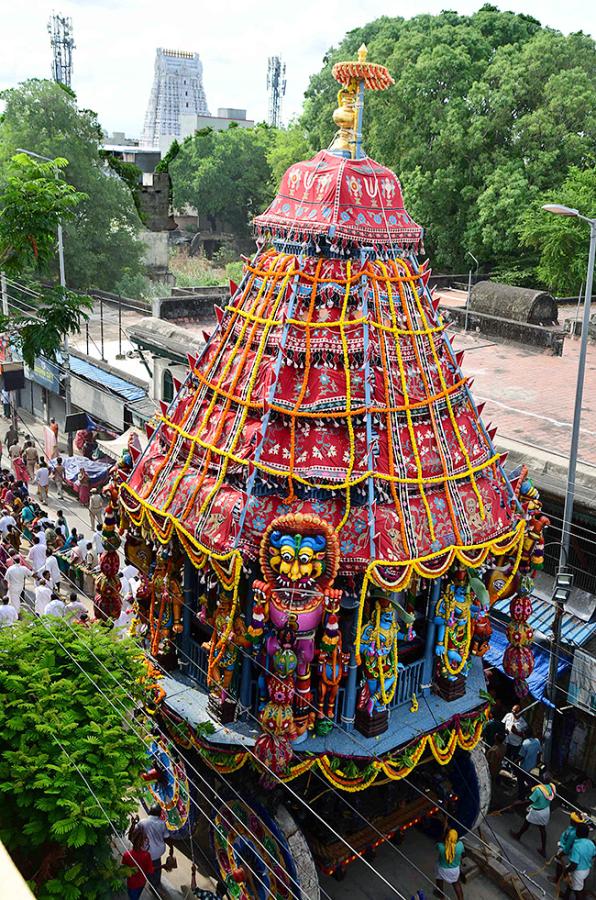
(355, 77)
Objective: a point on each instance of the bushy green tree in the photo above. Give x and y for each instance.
(561, 242)
(487, 112)
(288, 147)
(225, 174)
(100, 241)
(57, 730)
(34, 199)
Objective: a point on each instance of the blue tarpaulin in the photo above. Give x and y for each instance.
(96, 375)
(538, 680)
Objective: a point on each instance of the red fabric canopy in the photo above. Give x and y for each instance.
(353, 200)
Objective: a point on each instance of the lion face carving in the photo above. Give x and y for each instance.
(298, 550)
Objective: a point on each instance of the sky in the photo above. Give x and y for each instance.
(116, 41)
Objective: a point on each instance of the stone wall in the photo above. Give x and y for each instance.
(507, 329)
(154, 200)
(192, 307)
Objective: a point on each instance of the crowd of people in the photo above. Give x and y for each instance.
(42, 559)
(514, 750)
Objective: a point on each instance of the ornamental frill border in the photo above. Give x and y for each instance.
(464, 731)
(227, 565)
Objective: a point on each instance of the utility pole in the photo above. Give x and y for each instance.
(5, 312)
(469, 289)
(563, 574)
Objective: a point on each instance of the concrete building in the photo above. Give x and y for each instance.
(191, 123)
(177, 91)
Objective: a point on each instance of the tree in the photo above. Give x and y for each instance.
(289, 146)
(57, 729)
(562, 243)
(225, 175)
(487, 112)
(34, 199)
(100, 241)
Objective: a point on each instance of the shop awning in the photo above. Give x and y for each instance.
(574, 631)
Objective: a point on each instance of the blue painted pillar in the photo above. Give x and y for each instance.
(189, 590)
(247, 666)
(348, 712)
(429, 650)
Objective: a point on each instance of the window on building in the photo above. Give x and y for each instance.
(168, 386)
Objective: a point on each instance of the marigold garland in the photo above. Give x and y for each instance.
(464, 731)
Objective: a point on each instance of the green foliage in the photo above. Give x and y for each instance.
(225, 175)
(100, 241)
(164, 164)
(129, 173)
(562, 243)
(34, 199)
(40, 329)
(488, 111)
(290, 146)
(49, 821)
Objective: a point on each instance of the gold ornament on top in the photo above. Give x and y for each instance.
(355, 77)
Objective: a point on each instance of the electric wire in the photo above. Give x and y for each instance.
(128, 724)
(405, 779)
(92, 793)
(88, 647)
(163, 734)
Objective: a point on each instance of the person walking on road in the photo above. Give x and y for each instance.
(31, 457)
(138, 859)
(565, 844)
(450, 852)
(516, 728)
(42, 480)
(156, 831)
(56, 607)
(43, 594)
(6, 404)
(95, 508)
(37, 555)
(15, 579)
(58, 476)
(8, 614)
(84, 487)
(495, 756)
(529, 753)
(581, 860)
(539, 812)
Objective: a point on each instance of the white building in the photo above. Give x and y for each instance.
(177, 91)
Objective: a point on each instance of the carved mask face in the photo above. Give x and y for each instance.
(297, 558)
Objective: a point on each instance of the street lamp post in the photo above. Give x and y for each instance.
(559, 598)
(67, 393)
(469, 289)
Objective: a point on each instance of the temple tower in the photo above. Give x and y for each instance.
(177, 91)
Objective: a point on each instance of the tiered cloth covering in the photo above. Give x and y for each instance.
(343, 200)
(328, 388)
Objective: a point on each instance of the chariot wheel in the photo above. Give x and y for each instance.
(166, 783)
(260, 855)
(470, 777)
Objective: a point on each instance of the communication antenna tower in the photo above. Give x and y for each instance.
(276, 85)
(60, 30)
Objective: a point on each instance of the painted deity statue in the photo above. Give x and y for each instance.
(224, 654)
(165, 610)
(453, 618)
(299, 557)
(379, 656)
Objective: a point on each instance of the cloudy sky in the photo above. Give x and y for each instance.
(116, 41)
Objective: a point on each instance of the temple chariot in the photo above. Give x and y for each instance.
(322, 522)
